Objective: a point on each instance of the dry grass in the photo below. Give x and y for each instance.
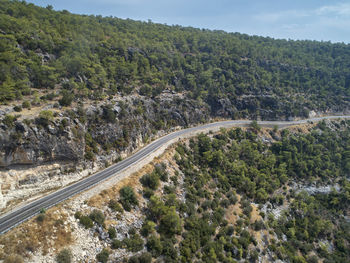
(255, 216)
(33, 235)
(233, 211)
(303, 128)
(101, 200)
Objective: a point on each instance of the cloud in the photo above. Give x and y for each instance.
(282, 15)
(340, 9)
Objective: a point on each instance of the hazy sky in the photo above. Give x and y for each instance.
(295, 19)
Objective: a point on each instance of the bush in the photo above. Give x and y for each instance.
(46, 114)
(134, 244)
(147, 192)
(40, 218)
(154, 246)
(255, 126)
(67, 98)
(26, 104)
(116, 244)
(111, 232)
(115, 206)
(103, 256)
(150, 180)
(86, 222)
(45, 117)
(17, 108)
(97, 216)
(89, 155)
(65, 256)
(77, 215)
(160, 170)
(108, 113)
(145, 258)
(128, 197)
(9, 120)
(148, 227)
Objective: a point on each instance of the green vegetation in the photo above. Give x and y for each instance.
(128, 198)
(94, 56)
(134, 243)
(111, 232)
(97, 216)
(85, 220)
(233, 181)
(115, 206)
(65, 256)
(103, 256)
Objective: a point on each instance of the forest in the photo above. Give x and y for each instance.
(94, 57)
(220, 203)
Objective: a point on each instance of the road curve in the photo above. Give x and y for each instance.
(15, 217)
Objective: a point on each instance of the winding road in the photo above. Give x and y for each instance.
(16, 217)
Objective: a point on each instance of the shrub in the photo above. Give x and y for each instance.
(97, 216)
(132, 231)
(77, 215)
(128, 197)
(134, 244)
(86, 222)
(150, 180)
(108, 113)
(89, 155)
(45, 117)
(145, 258)
(67, 98)
(116, 244)
(65, 256)
(111, 232)
(147, 192)
(154, 246)
(17, 108)
(255, 126)
(148, 227)
(115, 206)
(40, 218)
(9, 120)
(103, 256)
(26, 104)
(46, 114)
(160, 169)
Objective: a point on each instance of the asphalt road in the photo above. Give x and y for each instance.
(15, 217)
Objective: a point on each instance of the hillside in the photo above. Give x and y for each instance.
(78, 93)
(45, 53)
(238, 195)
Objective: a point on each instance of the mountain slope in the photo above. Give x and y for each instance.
(237, 75)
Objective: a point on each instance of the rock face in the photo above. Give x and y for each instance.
(120, 125)
(24, 144)
(39, 155)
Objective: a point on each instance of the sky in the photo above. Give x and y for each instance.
(324, 20)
